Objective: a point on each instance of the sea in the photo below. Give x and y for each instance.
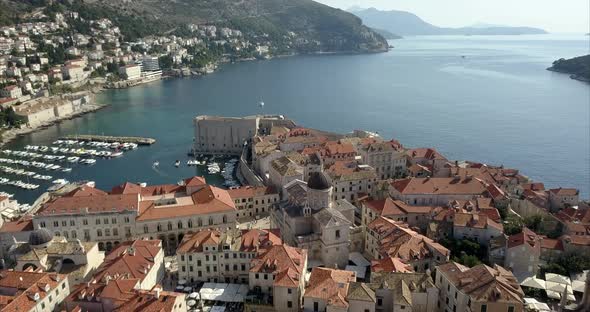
(481, 98)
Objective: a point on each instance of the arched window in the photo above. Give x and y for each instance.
(57, 233)
(190, 223)
(145, 229)
(66, 234)
(180, 224)
(159, 227)
(210, 220)
(224, 219)
(169, 226)
(74, 234)
(199, 222)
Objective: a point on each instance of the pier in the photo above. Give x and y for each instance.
(110, 139)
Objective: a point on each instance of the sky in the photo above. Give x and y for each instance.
(556, 16)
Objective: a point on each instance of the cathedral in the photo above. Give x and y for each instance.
(309, 218)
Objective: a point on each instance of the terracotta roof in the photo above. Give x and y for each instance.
(565, 191)
(581, 240)
(439, 186)
(427, 153)
(86, 191)
(255, 239)
(94, 204)
(194, 242)
(361, 292)
(525, 237)
(483, 283)
(397, 240)
(148, 301)
(23, 224)
(133, 259)
(207, 200)
(19, 288)
(330, 285)
(476, 221)
(350, 171)
(389, 207)
(553, 244)
(250, 191)
(287, 263)
(390, 264)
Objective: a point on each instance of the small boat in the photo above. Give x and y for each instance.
(177, 164)
(116, 154)
(156, 164)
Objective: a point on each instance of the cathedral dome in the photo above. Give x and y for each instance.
(40, 237)
(318, 181)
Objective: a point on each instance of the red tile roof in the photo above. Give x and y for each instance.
(255, 239)
(23, 224)
(194, 242)
(565, 191)
(390, 207)
(287, 263)
(525, 237)
(92, 202)
(483, 283)
(132, 259)
(19, 288)
(329, 285)
(439, 186)
(390, 264)
(397, 240)
(250, 191)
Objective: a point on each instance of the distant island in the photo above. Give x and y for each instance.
(577, 67)
(408, 24)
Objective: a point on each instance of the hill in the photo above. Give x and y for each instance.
(387, 34)
(315, 27)
(577, 67)
(408, 24)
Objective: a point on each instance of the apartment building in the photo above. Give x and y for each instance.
(252, 201)
(32, 291)
(215, 256)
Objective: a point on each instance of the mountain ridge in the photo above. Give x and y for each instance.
(316, 27)
(408, 24)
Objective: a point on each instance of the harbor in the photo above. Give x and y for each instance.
(108, 139)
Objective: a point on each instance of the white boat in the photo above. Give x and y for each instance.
(116, 154)
(66, 169)
(60, 181)
(73, 159)
(156, 164)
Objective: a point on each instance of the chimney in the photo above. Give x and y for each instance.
(131, 251)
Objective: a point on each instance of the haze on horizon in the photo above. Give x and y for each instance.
(569, 16)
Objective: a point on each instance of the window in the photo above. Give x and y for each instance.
(42, 224)
(337, 234)
(72, 223)
(99, 232)
(190, 223)
(182, 258)
(85, 221)
(107, 232)
(180, 224)
(64, 223)
(97, 221)
(289, 304)
(55, 223)
(106, 221)
(316, 307)
(169, 226)
(114, 221)
(510, 309)
(116, 232)
(190, 258)
(145, 229)
(126, 219)
(210, 220)
(289, 290)
(379, 301)
(484, 308)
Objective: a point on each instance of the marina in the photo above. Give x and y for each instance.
(109, 139)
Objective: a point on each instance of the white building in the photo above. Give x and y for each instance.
(130, 72)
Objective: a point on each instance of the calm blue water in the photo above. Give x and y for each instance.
(497, 105)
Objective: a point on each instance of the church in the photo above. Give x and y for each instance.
(310, 218)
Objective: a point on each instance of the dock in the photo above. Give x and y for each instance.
(110, 139)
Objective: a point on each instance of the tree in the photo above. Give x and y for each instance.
(512, 225)
(166, 61)
(534, 223)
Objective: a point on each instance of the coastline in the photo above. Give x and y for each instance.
(572, 76)
(11, 134)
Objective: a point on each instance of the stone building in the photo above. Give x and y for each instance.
(76, 259)
(131, 211)
(480, 288)
(311, 219)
